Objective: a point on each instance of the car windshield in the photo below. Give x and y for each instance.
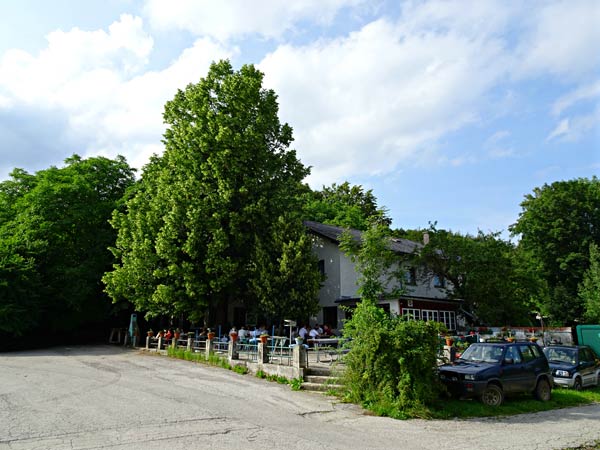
(483, 353)
(561, 355)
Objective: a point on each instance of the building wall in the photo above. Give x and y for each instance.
(341, 281)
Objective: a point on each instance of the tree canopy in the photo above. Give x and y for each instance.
(345, 206)
(557, 225)
(484, 271)
(208, 209)
(54, 238)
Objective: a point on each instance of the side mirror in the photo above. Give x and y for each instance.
(508, 361)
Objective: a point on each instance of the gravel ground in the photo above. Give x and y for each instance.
(105, 397)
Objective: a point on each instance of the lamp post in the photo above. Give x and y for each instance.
(541, 319)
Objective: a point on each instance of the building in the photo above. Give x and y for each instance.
(425, 294)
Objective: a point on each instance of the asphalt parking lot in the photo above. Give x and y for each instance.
(105, 397)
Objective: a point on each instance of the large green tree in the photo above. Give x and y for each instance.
(344, 205)
(191, 232)
(557, 225)
(54, 239)
(589, 289)
(284, 279)
(484, 271)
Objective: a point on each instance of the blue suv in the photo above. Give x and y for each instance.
(489, 371)
(573, 366)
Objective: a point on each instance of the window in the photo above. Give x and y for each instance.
(448, 318)
(527, 353)
(411, 313)
(513, 353)
(439, 281)
(410, 276)
(428, 314)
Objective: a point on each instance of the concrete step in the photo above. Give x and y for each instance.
(307, 386)
(319, 371)
(319, 379)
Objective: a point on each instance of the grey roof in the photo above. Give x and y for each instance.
(334, 233)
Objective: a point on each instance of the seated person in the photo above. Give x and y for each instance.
(314, 333)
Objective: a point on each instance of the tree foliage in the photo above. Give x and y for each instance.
(484, 271)
(557, 225)
(589, 289)
(284, 279)
(54, 238)
(204, 211)
(345, 206)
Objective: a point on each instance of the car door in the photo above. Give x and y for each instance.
(513, 370)
(586, 367)
(530, 366)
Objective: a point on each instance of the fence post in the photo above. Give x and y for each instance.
(263, 352)
(159, 343)
(209, 347)
(147, 342)
(189, 344)
(232, 350)
(299, 360)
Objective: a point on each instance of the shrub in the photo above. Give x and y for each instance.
(391, 366)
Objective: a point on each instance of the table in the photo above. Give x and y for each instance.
(318, 343)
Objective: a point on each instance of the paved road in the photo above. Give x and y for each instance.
(109, 398)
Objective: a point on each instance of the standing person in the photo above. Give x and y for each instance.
(242, 334)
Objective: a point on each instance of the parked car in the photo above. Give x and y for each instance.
(573, 366)
(489, 371)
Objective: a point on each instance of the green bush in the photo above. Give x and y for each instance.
(391, 366)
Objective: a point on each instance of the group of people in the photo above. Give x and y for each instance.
(316, 331)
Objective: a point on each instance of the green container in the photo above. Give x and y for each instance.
(589, 335)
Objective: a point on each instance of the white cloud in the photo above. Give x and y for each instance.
(582, 93)
(236, 18)
(574, 128)
(378, 98)
(96, 79)
(562, 38)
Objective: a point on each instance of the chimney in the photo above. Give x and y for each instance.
(425, 238)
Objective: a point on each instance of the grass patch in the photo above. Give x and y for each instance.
(296, 383)
(519, 404)
(213, 359)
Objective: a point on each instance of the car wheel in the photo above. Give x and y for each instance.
(543, 391)
(577, 385)
(492, 395)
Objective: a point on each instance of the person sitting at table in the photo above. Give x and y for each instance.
(326, 330)
(242, 334)
(168, 335)
(314, 332)
(319, 329)
(302, 332)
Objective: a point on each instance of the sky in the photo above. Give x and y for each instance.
(450, 111)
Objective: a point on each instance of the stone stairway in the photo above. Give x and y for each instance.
(320, 379)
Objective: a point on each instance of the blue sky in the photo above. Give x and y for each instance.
(451, 111)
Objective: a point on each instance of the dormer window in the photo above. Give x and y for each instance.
(439, 281)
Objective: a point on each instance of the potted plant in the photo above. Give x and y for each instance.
(263, 338)
(449, 341)
(299, 340)
(210, 335)
(233, 335)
